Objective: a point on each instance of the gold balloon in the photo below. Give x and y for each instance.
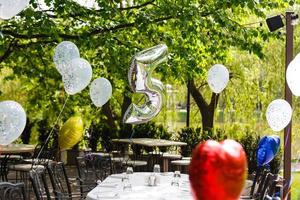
(71, 133)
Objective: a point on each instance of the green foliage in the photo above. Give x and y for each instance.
(193, 136)
(198, 34)
(249, 141)
(150, 130)
(100, 133)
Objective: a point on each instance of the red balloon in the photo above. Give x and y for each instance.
(218, 171)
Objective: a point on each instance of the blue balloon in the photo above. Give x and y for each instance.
(267, 149)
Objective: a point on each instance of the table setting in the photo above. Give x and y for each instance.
(143, 185)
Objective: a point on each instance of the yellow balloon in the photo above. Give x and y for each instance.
(71, 133)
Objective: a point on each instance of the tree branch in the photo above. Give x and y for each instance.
(138, 6)
(8, 51)
(77, 36)
(199, 99)
(14, 45)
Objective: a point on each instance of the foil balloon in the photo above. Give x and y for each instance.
(10, 8)
(71, 133)
(12, 121)
(279, 114)
(218, 171)
(139, 75)
(77, 76)
(292, 76)
(217, 78)
(100, 91)
(63, 54)
(267, 149)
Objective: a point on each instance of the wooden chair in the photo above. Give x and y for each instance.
(10, 191)
(39, 184)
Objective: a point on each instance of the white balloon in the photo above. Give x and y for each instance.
(217, 78)
(63, 54)
(10, 8)
(293, 76)
(12, 121)
(100, 91)
(279, 114)
(77, 75)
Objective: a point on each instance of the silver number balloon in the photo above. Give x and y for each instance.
(139, 75)
(12, 121)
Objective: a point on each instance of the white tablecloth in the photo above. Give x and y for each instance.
(112, 188)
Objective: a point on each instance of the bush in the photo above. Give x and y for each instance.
(192, 136)
(101, 133)
(249, 140)
(147, 130)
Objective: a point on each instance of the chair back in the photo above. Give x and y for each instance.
(42, 157)
(93, 167)
(269, 186)
(258, 182)
(59, 180)
(39, 183)
(10, 191)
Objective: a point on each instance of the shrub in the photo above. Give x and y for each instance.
(101, 133)
(249, 140)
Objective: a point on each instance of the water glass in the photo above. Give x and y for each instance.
(125, 177)
(176, 177)
(127, 185)
(129, 170)
(177, 174)
(156, 168)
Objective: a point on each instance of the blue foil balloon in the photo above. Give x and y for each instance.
(267, 148)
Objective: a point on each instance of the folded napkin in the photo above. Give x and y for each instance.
(108, 195)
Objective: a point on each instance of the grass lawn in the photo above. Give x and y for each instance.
(296, 186)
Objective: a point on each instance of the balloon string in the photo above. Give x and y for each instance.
(132, 134)
(51, 132)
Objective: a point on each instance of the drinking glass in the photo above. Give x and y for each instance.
(176, 177)
(156, 168)
(129, 170)
(127, 185)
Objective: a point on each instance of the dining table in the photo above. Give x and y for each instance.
(113, 187)
(8, 151)
(152, 142)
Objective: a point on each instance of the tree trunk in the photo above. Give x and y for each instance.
(207, 110)
(106, 110)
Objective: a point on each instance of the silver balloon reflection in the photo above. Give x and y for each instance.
(142, 66)
(100, 91)
(10, 8)
(63, 54)
(12, 121)
(77, 75)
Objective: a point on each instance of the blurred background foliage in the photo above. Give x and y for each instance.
(199, 33)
